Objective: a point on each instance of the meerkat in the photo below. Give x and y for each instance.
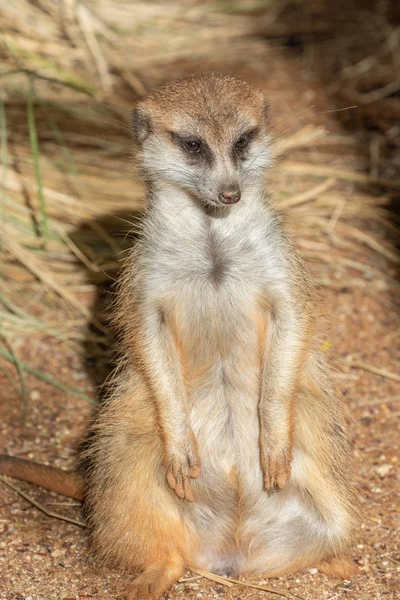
(222, 445)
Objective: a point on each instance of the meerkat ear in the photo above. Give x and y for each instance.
(141, 124)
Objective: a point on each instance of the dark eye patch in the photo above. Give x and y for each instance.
(194, 148)
(243, 141)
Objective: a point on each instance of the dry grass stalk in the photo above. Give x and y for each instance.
(228, 581)
(375, 370)
(39, 506)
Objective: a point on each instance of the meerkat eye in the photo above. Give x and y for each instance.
(244, 140)
(192, 145)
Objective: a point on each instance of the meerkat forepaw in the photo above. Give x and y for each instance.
(181, 469)
(276, 466)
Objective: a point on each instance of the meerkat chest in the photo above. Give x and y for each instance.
(216, 307)
(219, 261)
(212, 289)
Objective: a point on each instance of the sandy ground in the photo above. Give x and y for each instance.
(44, 558)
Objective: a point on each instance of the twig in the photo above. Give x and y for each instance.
(277, 592)
(368, 270)
(375, 370)
(299, 168)
(47, 378)
(40, 507)
(377, 401)
(308, 195)
(65, 504)
(379, 94)
(228, 581)
(370, 241)
(335, 215)
(396, 562)
(85, 22)
(10, 378)
(213, 577)
(20, 371)
(390, 336)
(304, 137)
(4, 157)
(38, 269)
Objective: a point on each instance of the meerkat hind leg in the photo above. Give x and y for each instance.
(338, 567)
(156, 578)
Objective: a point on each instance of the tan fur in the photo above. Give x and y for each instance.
(63, 482)
(338, 568)
(222, 445)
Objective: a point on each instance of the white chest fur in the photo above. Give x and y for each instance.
(212, 274)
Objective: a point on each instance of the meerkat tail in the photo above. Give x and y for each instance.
(56, 480)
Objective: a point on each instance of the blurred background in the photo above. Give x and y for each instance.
(70, 73)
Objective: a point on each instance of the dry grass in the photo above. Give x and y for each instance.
(69, 193)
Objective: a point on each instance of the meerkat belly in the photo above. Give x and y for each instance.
(220, 337)
(220, 347)
(221, 352)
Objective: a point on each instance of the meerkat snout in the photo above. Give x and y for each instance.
(231, 194)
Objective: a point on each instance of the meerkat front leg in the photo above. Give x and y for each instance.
(283, 354)
(159, 358)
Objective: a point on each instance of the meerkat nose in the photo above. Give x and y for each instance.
(230, 196)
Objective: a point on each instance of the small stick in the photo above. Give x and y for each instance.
(36, 266)
(277, 592)
(307, 195)
(213, 577)
(375, 370)
(389, 337)
(380, 93)
(65, 504)
(47, 378)
(229, 582)
(377, 401)
(20, 371)
(396, 562)
(85, 22)
(335, 215)
(39, 506)
(300, 168)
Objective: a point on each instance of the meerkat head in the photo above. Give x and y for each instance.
(206, 134)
